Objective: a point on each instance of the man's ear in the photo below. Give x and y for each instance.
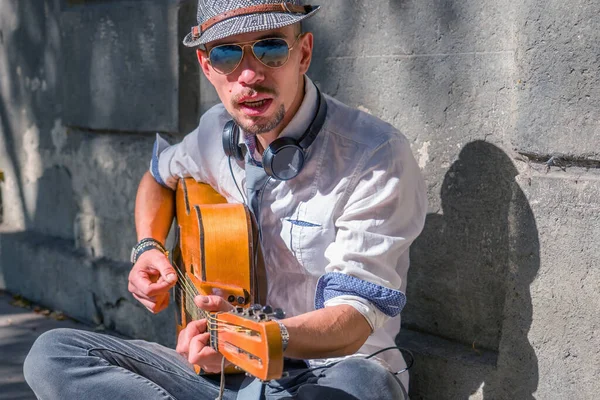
(306, 49)
(203, 61)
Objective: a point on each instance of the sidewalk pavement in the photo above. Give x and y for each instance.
(20, 325)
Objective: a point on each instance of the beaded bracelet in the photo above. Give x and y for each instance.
(144, 245)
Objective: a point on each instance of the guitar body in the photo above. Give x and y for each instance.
(217, 252)
(216, 243)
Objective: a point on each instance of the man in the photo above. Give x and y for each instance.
(338, 198)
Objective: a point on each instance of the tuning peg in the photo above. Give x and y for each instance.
(256, 307)
(239, 310)
(267, 309)
(278, 313)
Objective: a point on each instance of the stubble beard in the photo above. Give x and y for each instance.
(258, 126)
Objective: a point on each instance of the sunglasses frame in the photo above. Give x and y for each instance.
(251, 43)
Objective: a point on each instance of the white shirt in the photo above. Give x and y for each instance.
(354, 209)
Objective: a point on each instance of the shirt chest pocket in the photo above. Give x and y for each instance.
(308, 233)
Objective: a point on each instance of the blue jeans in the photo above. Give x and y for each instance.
(72, 364)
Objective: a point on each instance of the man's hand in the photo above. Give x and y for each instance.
(193, 341)
(150, 280)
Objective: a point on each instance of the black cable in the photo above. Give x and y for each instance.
(244, 200)
(255, 238)
(409, 366)
(400, 349)
(258, 240)
(395, 374)
(259, 205)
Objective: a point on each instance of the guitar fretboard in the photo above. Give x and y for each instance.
(186, 291)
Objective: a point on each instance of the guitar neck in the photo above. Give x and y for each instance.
(196, 313)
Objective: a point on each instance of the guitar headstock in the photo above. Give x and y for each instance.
(250, 339)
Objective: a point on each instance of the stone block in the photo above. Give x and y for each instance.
(55, 204)
(558, 104)
(105, 172)
(366, 29)
(92, 290)
(562, 322)
(120, 65)
(444, 369)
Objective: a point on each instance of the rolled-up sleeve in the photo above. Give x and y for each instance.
(160, 145)
(171, 163)
(196, 156)
(384, 213)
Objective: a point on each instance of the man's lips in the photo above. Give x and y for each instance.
(255, 106)
(245, 99)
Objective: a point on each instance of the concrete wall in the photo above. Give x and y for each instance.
(499, 100)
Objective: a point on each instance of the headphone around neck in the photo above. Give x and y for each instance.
(284, 158)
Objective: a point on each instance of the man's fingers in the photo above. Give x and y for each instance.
(193, 329)
(163, 302)
(152, 274)
(161, 263)
(183, 346)
(153, 304)
(149, 282)
(149, 304)
(200, 352)
(157, 288)
(197, 327)
(193, 344)
(212, 303)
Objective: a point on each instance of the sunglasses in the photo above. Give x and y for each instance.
(271, 52)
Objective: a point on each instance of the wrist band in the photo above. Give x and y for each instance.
(144, 245)
(285, 335)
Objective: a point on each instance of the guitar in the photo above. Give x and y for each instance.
(217, 252)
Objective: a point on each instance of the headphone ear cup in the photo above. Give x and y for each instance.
(283, 159)
(230, 138)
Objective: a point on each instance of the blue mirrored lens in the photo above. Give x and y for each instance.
(226, 58)
(271, 52)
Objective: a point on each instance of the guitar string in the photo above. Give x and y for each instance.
(212, 321)
(187, 286)
(219, 325)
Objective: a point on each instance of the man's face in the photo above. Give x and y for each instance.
(259, 98)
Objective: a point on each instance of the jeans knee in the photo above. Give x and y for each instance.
(361, 368)
(41, 359)
(371, 374)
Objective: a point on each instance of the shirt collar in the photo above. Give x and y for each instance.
(297, 126)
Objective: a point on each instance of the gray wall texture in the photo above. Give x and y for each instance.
(499, 99)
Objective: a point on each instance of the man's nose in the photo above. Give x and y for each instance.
(251, 70)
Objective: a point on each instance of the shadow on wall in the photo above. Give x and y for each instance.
(471, 273)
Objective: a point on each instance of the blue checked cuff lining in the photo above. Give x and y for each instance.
(334, 284)
(159, 145)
